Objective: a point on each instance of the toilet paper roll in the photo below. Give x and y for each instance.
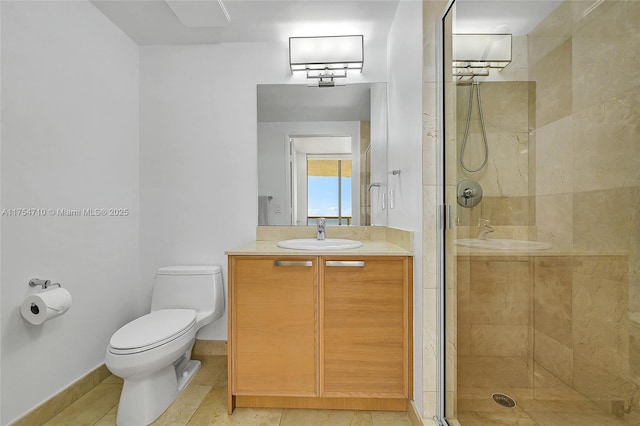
(49, 304)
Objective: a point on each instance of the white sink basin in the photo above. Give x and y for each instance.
(502, 244)
(313, 244)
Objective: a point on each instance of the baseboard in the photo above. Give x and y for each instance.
(67, 396)
(414, 416)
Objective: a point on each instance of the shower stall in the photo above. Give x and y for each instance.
(544, 148)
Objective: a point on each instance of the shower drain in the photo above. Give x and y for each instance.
(504, 400)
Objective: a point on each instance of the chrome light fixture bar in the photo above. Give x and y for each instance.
(475, 54)
(326, 58)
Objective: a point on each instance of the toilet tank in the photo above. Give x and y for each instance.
(196, 287)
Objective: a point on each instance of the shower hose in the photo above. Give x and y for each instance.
(466, 130)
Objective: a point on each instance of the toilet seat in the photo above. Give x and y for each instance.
(152, 330)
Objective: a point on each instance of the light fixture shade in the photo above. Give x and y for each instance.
(332, 53)
(481, 50)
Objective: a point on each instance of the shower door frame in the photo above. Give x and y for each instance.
(444, 222)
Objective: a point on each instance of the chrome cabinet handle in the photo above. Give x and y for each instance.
(345, 263)
(303, 263)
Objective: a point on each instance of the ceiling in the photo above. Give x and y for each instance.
(150, 22)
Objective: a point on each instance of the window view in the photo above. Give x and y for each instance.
(329, 190)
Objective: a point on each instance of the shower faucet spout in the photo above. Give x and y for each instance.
(485, 228)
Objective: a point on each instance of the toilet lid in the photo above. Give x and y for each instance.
(153, 329)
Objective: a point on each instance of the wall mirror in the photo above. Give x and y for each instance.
(322, 152)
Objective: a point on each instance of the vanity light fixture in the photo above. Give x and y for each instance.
(475, 54)
(326, 58)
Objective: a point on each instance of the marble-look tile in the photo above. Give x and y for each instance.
(554, 356)
(584, 11)
(505, 107)
(90, 408)
(213, 411)
(500, 340)
(606, 152)
(508, 211)
(597, 384)
(181, 410)
(298, 417)
(600, 327)
(277, 233)
(555, 406)
(608, 267)
(552, 298)
(429, 133)
(548, 387)
(429, 341)
(210, 370)
(554, 220)
(429, 405)
(573, 419)
(512, 418)
(108, 419)
(204, 348)
(388, 418)
(113, 379)
(464, 339)
(554, 157)
(463, 294)
(506, 173)
(634, 348)
(605, 60)
(467, 216)
(550, 33)
(399, 237)
(500, 292)
(451, 339)
(494, 372)
(429, 236)
(552, 74)
(518, 69)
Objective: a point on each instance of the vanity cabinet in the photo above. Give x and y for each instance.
(364, 327)
(320, 332)
(274, 326)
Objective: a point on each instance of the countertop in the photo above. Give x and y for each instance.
(369, 248)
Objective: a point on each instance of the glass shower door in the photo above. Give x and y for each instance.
(544, 333)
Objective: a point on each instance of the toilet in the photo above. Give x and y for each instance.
(153, 353)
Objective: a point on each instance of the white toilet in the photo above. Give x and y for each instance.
(153, 353)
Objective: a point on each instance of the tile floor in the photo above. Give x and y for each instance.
(204, 402)
(549, 403)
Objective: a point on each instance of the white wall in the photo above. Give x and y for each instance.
(69, 140)
(198, 149)
(404, 59)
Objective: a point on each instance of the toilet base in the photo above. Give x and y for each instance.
(144, 399)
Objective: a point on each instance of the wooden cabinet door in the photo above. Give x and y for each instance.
(274, 325)
(364, 314)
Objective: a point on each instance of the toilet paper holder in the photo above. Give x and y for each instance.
(34, 282)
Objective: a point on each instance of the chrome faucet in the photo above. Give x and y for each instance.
(485, 228)
(320, 228)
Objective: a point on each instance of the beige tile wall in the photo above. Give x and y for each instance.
(563, 315)
(505, 178)
(584, 61)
